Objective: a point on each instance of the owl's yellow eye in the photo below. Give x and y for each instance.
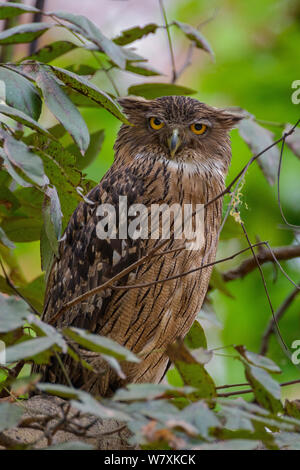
(198, 128)
(156, 123)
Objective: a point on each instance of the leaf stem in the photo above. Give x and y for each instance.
(167, 26)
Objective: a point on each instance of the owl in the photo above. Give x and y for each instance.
(176, 151)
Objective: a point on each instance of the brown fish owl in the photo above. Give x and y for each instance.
(177, 152)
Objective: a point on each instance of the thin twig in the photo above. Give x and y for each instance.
(278, 188)
(163, 11)
(63, 369)
(37, 16)
(106, 71)
(280, 312)
(188, 60)
(108, 433)
(233, 385)
(242, 392)
(189, 55)
(186, 273)
(265, 288)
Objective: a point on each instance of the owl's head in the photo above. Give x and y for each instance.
(177, 128)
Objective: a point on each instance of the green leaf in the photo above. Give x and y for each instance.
(114, 364)
(266, 390)
(82, 69)
(258, 138)
(5, 240)
(288, 440)
(83, 401)
(12, 172)
(207, 313)
(293, 140)
(63, 109)
(142, 70)
(10, 415)
(60, 390)
(51, 51)
(236, 419)
(30, 200)
(34, 291)
(79, 99)
(88, 89)
(233, 444)
(292, 408)
(23, 33)
(20, 93)
(9, 10)
(43, 329)
(87, 404)
(28, 349)
(52, 217)
(21, 157)
(96, 141)
(68, 196)
(8, 201)
(60, 168)
(89, 30)
(196, 337)
(258, 361)
(201, 417)
(135, 392)
(133, 34)
(21, 117)
(22, 229)
(100, 344)
(192, 372)
(13, 313)
(153, 90)
(194, 35)
(256, 414)
(57, 130)
(46, 252)
(196, 376)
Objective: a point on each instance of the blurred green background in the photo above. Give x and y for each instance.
(256, 45)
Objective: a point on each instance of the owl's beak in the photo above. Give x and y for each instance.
(174, 142)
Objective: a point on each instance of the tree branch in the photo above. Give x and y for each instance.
(264, 256)
(242, 392)
(36, 18)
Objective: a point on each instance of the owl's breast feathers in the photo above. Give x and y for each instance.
(144, 319)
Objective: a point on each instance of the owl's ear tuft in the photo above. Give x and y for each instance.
(229, 118)
(133, 104)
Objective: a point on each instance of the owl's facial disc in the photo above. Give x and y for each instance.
(174, 142)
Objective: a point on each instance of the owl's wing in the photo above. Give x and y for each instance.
(85, 261)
